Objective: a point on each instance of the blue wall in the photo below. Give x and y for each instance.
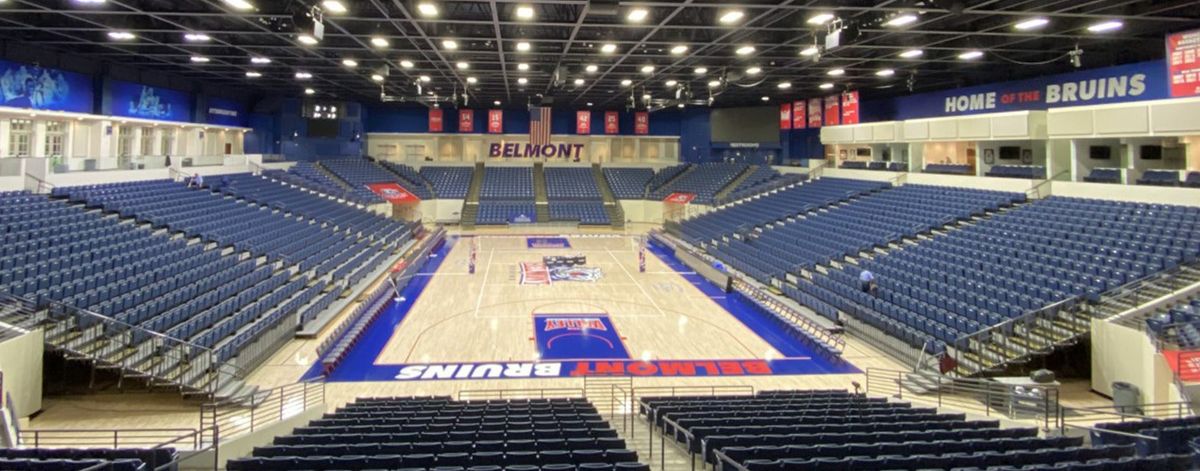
(413, 119)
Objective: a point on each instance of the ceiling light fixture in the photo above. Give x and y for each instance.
(680, 49)
(901, 20)
(200, 59)
(647, 69)
(1032, 23)
(239, 4)
(754, 71)
(351, 63)
(472, 80)
(522, 46)
(196, 37)
(912, 53)
(253, 74)
(714, 83)
(525, 12)
(379, 42)
(626, 83)
(407, 64)
(731, 16)
(784, 85)
(591, 68)
(427, 9)
(637, 15)
(608, 48)
(306, 39)
(836, 72)
(1106, 26)
(121, 35)
(522, 80)
(579, 81)
(970, 55)
(450, 44)
(334, 6)
(377, 77)
(463, 66)
(309, 91)
(744, 50)
(700, 70)
(522, 66)
(810, 50)
(885, 73)
(424, 78)
(260, 60)
(825, 86)
(672, 83)
(766, 98)
(496, 103)
(820, 18)
(303, 75)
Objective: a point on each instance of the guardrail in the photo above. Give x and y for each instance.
(181, 439)
(231, 419)
(40, 186)
(14, 423)
(831, 341)
(1134, 293)
(1018, 402)
(1027, 320)
(543, 393)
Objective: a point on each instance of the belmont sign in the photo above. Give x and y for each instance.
(1124, 83)
(548, 151)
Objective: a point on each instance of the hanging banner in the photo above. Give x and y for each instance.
(583, 122)
(833, 115)
(814, 113)
(466, 121)
(1183, 63)
(32, 86)
(785, 116)
(394, 193)
(850, 107)
(799, 119)
(435, 120)
(611, 123)
(641, 122)
(680, 198)
(495, 121)
(134, 100)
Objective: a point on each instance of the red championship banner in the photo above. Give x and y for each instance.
(814, 113)
(850, 107)
(393, 193)
(583, 122)
(785, 116)
(435, 120)
(495, 121)
(833, 115)
(799, 119)
(611, 123)
(1183, 63)
(466, 121)
(680, 198)
(641, 122)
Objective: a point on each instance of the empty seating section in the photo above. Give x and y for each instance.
(449, 182)
(837, 431)
(72, 459)
(1104, 175)
(411, 179)
(436, 432)
(1022, 260)
(874, 165)
(504, 212)
(628, 183)
(1192, 180)
(507, 183)
(1018, 171)
(862, 224)
(586, 212)
(58, 251)
(776, 183)
(1159, 178)
(773, 207)
(704, 180)
(360, 172)
(760, 175)
(1170, 436)
(271, 194)
(952, 169)
(571, 183)
(309, 175)
(664, 175)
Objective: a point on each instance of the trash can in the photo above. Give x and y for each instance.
(1127, 399)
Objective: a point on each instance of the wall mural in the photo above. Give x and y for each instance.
(31, 86)
(135, 100)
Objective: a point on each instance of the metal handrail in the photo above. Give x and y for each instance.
(836, 343)
(1035, 191)
(13, 422)
(1133, 289)
(985, 334)
(277, 404)
(968, 393)
(43, 186)
(539, 393)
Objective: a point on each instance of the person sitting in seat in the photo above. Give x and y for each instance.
(197, 180)
(868, 281)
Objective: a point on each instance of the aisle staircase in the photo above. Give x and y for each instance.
(334, 177)
(423, 183)
(672, 180)
(724, 192)
(541, 197)
(471, 204)
(616, 214)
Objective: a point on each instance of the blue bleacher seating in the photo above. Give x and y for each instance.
(1159, 178)
(951, 169)
(1018, 171)
(449, 182)
(703, 180)
(628, 183)
(1104, 175)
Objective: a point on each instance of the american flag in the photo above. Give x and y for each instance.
(539, 126)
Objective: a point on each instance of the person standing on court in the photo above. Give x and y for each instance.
(868, 281)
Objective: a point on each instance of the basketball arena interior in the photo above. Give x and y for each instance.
(605, 235)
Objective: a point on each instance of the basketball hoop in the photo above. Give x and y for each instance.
(474, 251)
(642, 254)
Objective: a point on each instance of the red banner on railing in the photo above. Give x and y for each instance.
(814, 113)
(785, 116)
(850, 108)
(680, 198)
(466, 120)
(495, 121)
(611, 123)
(394, 193)
(833, 115)
(435, 120)
(641, 122)
(799, 118)
(583, 122)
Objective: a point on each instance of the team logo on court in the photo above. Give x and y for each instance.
(576, 274)
(573, 324)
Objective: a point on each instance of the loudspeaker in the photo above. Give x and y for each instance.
(1042, 376)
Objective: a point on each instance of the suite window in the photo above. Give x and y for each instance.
(125, 141)
(168, 141)
(56, 136)
(147, 144)
(20, 135)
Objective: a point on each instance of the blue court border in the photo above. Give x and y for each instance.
(359, 364)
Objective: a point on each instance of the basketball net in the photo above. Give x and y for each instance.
(471, 260)
(642, 254)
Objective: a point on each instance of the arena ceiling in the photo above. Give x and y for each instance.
(610, 54)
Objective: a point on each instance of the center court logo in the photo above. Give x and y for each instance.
(574, 324)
